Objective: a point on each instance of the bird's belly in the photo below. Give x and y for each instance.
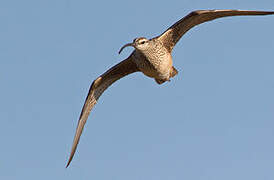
(155, 67)
(159, 70)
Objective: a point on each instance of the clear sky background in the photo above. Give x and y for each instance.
(214, 121)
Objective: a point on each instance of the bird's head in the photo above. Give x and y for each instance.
(140, 43)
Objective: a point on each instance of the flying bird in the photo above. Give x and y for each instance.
(152, 57)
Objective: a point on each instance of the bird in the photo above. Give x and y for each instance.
(152, 57)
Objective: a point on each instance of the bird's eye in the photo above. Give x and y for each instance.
(143, 42)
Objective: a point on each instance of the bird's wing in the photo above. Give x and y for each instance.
(96, 89)
(173, 34)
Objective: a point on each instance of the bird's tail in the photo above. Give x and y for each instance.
(173, 72)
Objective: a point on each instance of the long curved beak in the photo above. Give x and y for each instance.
(126, 45)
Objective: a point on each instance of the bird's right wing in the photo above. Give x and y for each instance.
(173, 34)
(96, 89)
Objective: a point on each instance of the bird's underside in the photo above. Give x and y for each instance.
(155, 62)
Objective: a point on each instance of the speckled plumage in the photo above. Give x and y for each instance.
(155, 61)
(152, 57)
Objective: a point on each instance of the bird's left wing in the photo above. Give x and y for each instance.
(96, 89)
(173, 34)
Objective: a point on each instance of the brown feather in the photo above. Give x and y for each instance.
(96, 89)
(173, 34)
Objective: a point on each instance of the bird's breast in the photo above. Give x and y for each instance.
(156, 64)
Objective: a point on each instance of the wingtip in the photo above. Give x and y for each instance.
(68, 162)
(70, 159)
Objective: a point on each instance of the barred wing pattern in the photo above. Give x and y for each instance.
(173, 34)
(96, 89)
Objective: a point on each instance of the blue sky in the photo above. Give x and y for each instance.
(214, 120)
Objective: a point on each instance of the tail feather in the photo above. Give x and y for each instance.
(174, 72)
(160, 81)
